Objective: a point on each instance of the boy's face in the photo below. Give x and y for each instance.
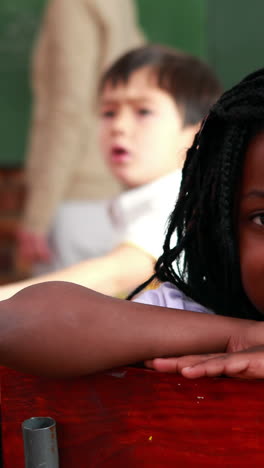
(251, 222)
(141, 131)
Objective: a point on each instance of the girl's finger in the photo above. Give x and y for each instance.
(175, 364)
(229, 365)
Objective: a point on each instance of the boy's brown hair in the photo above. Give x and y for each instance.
(188, 80)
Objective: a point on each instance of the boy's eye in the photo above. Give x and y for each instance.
(108, 113)
(258, 219)
(144, 111)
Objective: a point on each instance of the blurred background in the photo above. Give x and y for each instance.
(228, 34)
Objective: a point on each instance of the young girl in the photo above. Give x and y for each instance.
(216, 268)
(220, 225)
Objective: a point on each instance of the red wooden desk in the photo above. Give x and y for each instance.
(138, 418)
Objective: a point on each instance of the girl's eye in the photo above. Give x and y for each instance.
(144, 111)
(108, 113)
(258, 219)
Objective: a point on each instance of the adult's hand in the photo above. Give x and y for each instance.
(31, 248)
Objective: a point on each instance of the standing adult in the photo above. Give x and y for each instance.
(76, 41)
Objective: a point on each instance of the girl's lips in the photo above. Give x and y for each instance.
(120, 154)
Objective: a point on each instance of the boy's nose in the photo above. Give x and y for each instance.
(122, 123)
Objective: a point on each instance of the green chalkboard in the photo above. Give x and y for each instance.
(180, 23)
(19, 22)
(235, 37)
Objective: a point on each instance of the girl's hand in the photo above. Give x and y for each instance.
(246, 364)
(232, 363)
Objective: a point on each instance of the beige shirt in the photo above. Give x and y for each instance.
(77, 40)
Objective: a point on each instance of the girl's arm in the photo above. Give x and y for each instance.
(63, 329)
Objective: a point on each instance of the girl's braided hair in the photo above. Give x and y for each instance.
(204, 263)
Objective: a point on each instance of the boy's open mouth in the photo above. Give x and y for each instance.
(120, 154)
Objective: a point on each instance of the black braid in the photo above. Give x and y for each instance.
(204, 263)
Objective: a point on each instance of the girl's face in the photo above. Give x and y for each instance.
(251, 222)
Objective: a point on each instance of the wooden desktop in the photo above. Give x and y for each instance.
(138, 418)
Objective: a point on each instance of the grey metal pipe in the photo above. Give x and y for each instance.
(40, 443)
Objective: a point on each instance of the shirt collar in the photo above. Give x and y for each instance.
(132, 202)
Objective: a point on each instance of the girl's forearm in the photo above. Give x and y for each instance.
(64, 329)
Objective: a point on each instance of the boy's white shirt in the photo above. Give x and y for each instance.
(136, 217)
(140, 215)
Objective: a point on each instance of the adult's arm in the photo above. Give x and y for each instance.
(63, 329)
(120, 23)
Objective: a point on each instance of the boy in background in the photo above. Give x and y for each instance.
(152, 101)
